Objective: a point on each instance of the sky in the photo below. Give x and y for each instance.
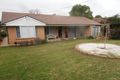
(61, 7)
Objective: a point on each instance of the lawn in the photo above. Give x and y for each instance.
(56, 61)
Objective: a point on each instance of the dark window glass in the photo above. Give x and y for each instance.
(18, 32)
(47, 30)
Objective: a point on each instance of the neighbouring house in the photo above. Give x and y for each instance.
(26, 26)
(114, 27)
(101, 20)
(104, 24)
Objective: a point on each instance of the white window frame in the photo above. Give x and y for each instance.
(28, 34)
(95, 31)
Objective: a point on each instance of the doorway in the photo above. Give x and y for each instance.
(60, 32)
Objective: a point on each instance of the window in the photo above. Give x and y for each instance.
(72, 31)
(95, 31)
(50, 30)
(18, 32)
(47, 30)
(26, 32)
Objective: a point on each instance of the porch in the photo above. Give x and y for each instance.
(66, 32)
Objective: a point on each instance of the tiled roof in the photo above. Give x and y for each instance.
(49, 19)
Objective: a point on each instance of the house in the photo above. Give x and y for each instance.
(113, 29)
(26, 26)
(103, 22)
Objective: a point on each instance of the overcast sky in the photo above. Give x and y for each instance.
(61, 7)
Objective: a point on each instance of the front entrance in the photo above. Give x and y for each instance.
(60, 32)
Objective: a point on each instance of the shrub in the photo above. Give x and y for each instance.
(90, 37)
(115, 34)
(39, 41)
(3, 34)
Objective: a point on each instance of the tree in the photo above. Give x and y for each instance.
(98, 16)
(0, 24)
(114, 19)
(114, 26)
(34, 11)
(3, 32)
(81, 10)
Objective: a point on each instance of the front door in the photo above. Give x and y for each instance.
(60, 32)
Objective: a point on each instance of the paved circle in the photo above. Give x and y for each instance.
(100, 49)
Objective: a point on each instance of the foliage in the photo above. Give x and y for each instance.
(98, 16)
(114, 19)
(81, 10)
(56, 61)
(115, 34)
(3, 33)
(39, 41)
(90, 37)
(34, 11)
(115, 26)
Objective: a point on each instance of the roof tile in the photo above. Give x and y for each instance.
(50, 19)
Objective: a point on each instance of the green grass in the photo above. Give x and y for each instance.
(56, 61)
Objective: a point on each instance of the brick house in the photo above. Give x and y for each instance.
(29, 26)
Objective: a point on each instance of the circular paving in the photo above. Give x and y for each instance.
(100, 49)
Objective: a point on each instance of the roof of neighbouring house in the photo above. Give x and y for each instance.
(49, 19)
(100, 20)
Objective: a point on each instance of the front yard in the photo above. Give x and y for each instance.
(56, 61)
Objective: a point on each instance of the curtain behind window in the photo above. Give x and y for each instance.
(27, 31)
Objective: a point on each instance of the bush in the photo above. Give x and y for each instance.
(43, 41)
(3, 34)
(39, 41)
(115, 34)
(90, 37)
